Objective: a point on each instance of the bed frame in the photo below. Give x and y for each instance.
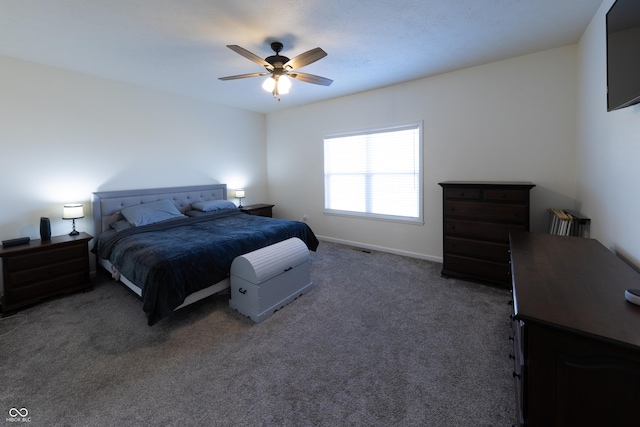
(106, 210)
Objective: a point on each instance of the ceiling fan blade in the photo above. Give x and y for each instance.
(310, 78)
(243, 76)
(253, 57)
(305, 58)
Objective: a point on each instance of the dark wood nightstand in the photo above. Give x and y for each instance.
(41, 269)
(259, 209)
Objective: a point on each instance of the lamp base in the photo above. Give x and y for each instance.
(73, 231)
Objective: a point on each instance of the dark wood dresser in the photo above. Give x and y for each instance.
(42, 269)
(477, 219)
(576, 338)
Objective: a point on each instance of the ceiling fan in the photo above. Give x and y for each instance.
(280, 68)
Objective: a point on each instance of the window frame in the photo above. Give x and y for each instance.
(419, 220)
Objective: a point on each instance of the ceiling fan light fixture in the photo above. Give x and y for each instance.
(278, 83)
(269, 84)
(284, 84)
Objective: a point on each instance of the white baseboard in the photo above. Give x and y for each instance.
(380, 248)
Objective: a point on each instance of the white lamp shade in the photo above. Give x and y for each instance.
(284, 84)
(73, 211)
(269, 84)
(240, 193)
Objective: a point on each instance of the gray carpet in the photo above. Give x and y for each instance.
(382, 340)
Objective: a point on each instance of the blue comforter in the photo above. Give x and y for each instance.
(172, 259)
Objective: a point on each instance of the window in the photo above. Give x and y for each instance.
(376, 174)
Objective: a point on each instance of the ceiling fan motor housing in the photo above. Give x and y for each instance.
(277, 60)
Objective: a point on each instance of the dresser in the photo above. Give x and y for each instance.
(576, 340)
(477, 217)
(42, 269)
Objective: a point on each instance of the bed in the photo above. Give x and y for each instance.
(175, 246)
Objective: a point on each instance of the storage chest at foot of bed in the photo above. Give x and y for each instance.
(266, 280)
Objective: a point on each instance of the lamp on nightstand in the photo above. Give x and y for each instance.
(240, 195)
(73, 212)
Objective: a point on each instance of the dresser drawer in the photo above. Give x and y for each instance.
(47, 272)
(486, 211)
(477, 249)
(480, 230)
(45, 257)
(475, 268)
(463, 193)
(501, 195)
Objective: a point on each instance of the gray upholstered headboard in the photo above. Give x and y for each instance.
(107, 204)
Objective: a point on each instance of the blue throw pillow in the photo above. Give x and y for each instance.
(213, 205)
(150, 213)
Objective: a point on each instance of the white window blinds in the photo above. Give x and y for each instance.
(375, 173)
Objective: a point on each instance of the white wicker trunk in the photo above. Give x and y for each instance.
(265, 280)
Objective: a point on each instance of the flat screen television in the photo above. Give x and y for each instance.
(623, 54)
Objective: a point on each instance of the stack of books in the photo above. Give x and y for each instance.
(567, 223)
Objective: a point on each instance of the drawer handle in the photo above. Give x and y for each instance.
(516, 375)
(242, 291)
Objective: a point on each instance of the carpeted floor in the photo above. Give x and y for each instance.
(382, 340)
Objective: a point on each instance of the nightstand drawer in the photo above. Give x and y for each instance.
(38, 290)
(44, 273)
(41, 258)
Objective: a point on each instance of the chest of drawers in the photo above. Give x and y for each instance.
(42, 269)
(477, 219)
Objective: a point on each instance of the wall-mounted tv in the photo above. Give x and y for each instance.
(623, 54)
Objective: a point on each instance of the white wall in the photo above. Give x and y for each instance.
(608, 150)
(64, 135)
(512, 120)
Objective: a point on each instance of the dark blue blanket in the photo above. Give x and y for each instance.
(172, 259)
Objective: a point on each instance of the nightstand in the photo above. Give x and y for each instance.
(41, 269)
(259, 209)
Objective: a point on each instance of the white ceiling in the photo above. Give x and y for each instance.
(179, 46)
